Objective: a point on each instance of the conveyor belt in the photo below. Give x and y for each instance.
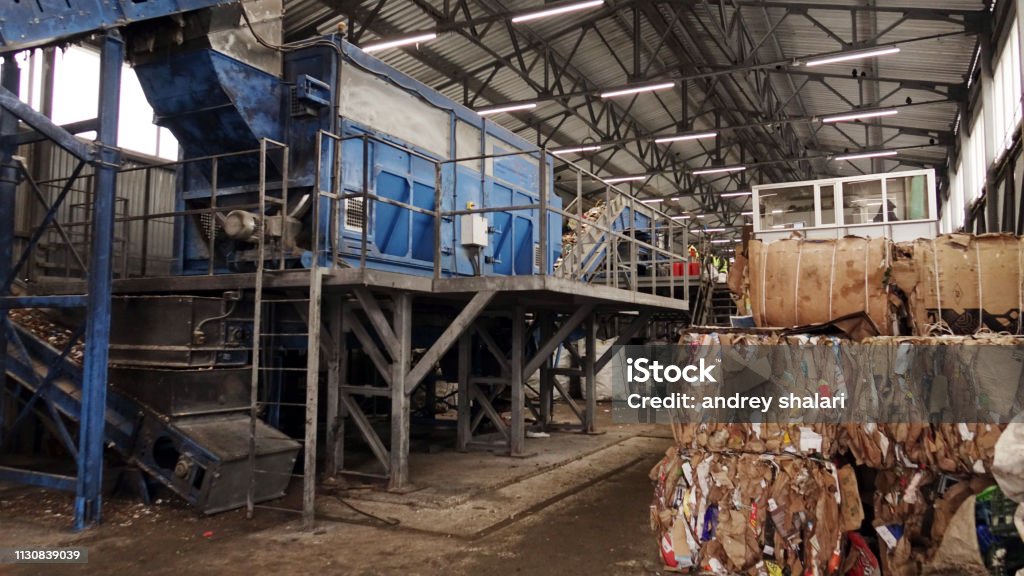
(203, 458)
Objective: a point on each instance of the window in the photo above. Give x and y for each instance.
(783, 208)
(1006, 92)
(76, 98)
(31, 76)
(956, 198)
(862, 202)
(975, 165)
(909, 197)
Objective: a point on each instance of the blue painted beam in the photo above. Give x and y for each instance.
(41, 22)
(10, 78)
(97, 326)
(71, 128)
(33, 478)
(69, 301)
(12, 105)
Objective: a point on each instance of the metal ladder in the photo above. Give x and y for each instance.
(592, 248)
(305, 297)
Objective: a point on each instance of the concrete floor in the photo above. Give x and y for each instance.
(577, 505)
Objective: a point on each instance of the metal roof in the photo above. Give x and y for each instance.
(740, 61)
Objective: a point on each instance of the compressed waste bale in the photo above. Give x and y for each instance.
(746, 513)
(962, 283)
(798, 281)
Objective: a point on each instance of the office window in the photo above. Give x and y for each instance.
(862, 202)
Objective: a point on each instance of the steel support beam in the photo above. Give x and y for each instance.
(451, 334)
(10, 78)
(517, 430)
(97, 333)
(634, 327)
(313, 321)
(462, 430)
(70, 301)
(337, 374)
(41, 479)
(590, 375)
(13, 105)
(399, 453)
(548, 347)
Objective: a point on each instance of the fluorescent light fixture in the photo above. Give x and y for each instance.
(653, 201)
(852, 56)
(713, 230)
(723, 241)
(737, 240)
(624, 179)
(681, 217)
(684, 137)
(778, 211)
(858, 116)
(576, 150)
(400, 42)
(509, 108)
(637, 89)
(862, 155)
(557, 10)
(746, 214)
(719, 170)
(736, 194)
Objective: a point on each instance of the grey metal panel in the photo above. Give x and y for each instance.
(50, 166)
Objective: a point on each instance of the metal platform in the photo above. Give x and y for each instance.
(540, 290)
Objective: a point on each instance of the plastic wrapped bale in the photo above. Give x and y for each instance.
(798, 282)
(744, 513)
(962, 283)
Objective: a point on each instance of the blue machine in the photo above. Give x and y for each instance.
(400, 131)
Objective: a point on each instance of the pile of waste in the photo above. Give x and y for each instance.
(745, 499)
(742, 494)
(57, 336)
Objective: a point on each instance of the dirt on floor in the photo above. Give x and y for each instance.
(594, 526)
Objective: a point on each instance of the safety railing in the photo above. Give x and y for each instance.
(627, 261)
(367, 197)
(628, 245)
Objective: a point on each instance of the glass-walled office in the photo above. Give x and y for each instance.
(900, 205)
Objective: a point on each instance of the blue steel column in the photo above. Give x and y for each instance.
(97, 331)
(10, 77)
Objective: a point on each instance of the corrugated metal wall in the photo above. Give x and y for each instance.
(140, 191)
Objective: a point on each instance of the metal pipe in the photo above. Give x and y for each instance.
(543, 179)
(146, 199)
(366, 205)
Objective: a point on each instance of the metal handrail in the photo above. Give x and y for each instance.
(665, 242)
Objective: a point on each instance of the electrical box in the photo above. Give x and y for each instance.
(474, 230)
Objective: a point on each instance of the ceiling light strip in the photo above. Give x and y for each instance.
(399, 42)
(557, 11)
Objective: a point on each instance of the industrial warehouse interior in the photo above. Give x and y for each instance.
(595, 287)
